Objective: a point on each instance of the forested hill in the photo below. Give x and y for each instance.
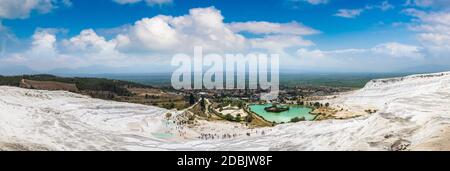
(83, 84)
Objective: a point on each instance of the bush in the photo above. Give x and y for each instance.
(317, 105)
(168, 115)
(169, 105)
(238, 118)
(229, 117)
(249, 118)
(297, 119)
(191, 99)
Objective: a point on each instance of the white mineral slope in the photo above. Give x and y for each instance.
(57, 120)
(412, 112)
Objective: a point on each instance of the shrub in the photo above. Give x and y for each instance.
(248, 118)
(317, 104)
(297, 119)
(168, 115)
(229, 117)
(238, 118)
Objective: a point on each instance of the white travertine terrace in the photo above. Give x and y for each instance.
(413, 113)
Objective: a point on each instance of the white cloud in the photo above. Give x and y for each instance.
(205, 27)
(43, 42)
(353, 13)
(429, 3)
(149, 2)
(389, 50)
(14, 9)
(256, 27)
(398, 50)
(89, 41)
(278, 43)
(384, 57)
(46, 52)
(157, 38)
(313, 2)
(7, 40)
(305, 53)
(349, 13)
(43, 52)
(202, 27)
(150, 33)
(127, 1)
(433, 30)
(385, 5)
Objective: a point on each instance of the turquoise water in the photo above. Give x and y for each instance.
(286, 116)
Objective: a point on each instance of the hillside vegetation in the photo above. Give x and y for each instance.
(83, 84)
(109, 89)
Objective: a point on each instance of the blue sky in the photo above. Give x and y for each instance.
(100, 14)
(341, 35)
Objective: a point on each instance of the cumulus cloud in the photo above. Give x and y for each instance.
(14, 9)
(159, 38)
(86, 49)
(43, 43)
(42, 53)
(201, 27)
(88, 41)
(151, 34)
(149, 2)
(205, 27)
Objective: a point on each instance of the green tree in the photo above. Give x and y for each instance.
(171, 105)
(191, 99)
(203, 104)
(238, 118)
(317, 105)
(229, 117)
